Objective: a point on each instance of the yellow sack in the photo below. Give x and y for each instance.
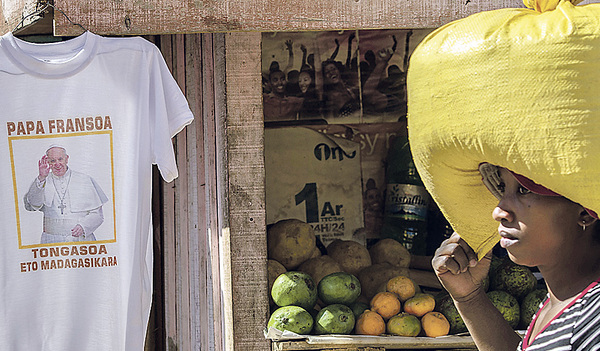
(519, 88)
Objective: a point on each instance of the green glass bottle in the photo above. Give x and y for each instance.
(406, 200)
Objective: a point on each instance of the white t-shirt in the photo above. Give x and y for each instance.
(113, 106)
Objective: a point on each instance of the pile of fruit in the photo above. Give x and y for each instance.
(402, 310)
(350, 289)
(332, 307)
(354, 290)
(512, 288)
(292, 246)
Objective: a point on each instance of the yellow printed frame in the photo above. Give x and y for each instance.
(12, 139)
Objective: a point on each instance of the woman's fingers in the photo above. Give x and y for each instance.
(471, 255)
(451, 257)
(454, 255)
(468, 251)
(443, 264)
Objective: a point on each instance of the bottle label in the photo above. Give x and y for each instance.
(408, 238)
(406, 201)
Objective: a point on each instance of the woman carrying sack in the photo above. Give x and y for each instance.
(511, 97)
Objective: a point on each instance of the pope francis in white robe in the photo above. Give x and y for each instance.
(71, 201)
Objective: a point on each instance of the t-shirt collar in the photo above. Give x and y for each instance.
(51, 60)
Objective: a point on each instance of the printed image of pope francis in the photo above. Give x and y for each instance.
(71, 201)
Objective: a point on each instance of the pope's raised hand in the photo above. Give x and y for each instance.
(456, 265)
(43, 168)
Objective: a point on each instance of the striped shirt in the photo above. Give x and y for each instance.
(576, 327)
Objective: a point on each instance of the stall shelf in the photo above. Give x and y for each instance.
(381, 343)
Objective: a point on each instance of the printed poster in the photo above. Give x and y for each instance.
(63, 183)
(374, 140)
(315, 178)
(353, 76)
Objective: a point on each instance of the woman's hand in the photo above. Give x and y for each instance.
(383, 56)
(456, 265)
(289, 45)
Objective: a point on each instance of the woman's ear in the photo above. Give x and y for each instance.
(585, 219)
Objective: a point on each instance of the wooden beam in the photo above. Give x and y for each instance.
(246, 207)
(119, 17)
(145, 17)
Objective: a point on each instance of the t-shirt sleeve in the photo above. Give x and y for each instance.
(170, 113)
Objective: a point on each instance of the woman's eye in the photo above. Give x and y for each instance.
(523, 190)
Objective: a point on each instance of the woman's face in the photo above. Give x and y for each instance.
(332, 74)
(277, 80)
(536, 230)
(304, 81)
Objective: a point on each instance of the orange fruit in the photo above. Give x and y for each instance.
(386, 304)
(435, 324)
(404, 324)
(370, 323)
(402, 286)
(419, 304)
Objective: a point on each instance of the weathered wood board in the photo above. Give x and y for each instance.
(145, 17)
(344, 342)
(185, 16)
(246, 196)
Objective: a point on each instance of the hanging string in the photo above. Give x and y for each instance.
(46, 4)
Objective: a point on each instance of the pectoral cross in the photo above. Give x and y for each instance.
(62, 207)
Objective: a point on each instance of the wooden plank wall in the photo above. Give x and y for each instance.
(216, 161)
(214, 232)
(190, 226)
(213, 116)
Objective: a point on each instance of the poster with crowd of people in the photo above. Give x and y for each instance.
(353, 76)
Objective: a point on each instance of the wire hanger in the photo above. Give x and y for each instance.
(41, 7)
